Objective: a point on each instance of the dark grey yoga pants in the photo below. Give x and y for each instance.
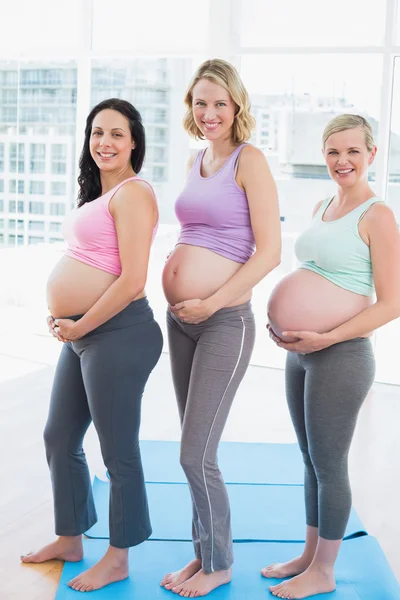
(208, 362)
(101, 378)
(325, 391)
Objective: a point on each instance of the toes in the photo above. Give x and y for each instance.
(75, 584)
(177, 589)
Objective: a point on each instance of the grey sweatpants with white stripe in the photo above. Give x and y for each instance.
(208, 362)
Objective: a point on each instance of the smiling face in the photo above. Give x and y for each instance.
(111, 141)
(347, 156)
(213, 110)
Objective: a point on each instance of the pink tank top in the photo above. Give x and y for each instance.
(91, 235)
(214, 211)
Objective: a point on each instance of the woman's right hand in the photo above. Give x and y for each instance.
(51, 324)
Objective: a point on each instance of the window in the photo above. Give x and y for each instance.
(59, 159)
(300, 95)
(19, 239)
(1, 159)
(180, 33)
(36, 225)
(36, 239)
(59, 152)
(13, 186)
(266, 23)
(14, 206)
(17, 158)
(1, 206)
(12, 224)
(36, 187)
(159, 154)
(1, 223)
(58, 188)
(37, 157)
(36, 208)
(1, 185)
(57, 209)
(158, 174)
(55, 227)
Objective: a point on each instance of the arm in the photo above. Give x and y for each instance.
(134, 210)
(384, 241)
(258, 183)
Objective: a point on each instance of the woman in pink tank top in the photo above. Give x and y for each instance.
(229, 241)
(111, 343)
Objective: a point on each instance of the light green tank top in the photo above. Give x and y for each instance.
(335, 249)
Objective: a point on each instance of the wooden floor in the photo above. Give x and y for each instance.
(259, 414)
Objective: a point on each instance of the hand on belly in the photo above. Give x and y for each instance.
(306, 301)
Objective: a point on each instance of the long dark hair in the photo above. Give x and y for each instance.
(89, 175)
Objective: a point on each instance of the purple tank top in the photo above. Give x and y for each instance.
(214, 211)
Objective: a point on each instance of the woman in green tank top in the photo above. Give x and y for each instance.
(323, 314)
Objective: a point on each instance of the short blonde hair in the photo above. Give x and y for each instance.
(347, 121)
(224, 74)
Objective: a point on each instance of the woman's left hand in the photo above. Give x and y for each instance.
(308, 341)
(192, 311)
(67, 329)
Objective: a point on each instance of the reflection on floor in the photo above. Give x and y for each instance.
(259, 414)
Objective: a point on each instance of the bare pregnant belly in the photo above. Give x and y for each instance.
(194, 272)
(73, 287)
(306, 301)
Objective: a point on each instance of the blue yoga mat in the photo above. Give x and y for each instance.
(239, 462)
(259, 512)
(362, 571)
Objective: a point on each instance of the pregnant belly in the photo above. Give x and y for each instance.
(195, 272)
(73, 287)
(306, 301)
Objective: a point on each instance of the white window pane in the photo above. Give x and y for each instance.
(292, 104)
(37, 25)
(152, 26)
(387, 337)
(156, 87)
(394, 156)
(312, 23)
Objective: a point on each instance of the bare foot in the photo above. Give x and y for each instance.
(287, 569)
(202, 583)
(112, 567)
(177, 577)
(310, 583)
(65, 548)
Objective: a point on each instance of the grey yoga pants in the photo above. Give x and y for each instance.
(325, 391)
(101, 378)
(208, 362)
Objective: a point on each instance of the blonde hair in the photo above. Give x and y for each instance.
(347, 121)
(224, 74)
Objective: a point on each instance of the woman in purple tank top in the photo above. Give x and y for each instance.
(229, 241)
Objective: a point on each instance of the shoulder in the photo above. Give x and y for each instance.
(250, 153)
(191, 160)
(379, 216)
(139, 191)
(134, 188)
(251, 161)
(317, 207)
